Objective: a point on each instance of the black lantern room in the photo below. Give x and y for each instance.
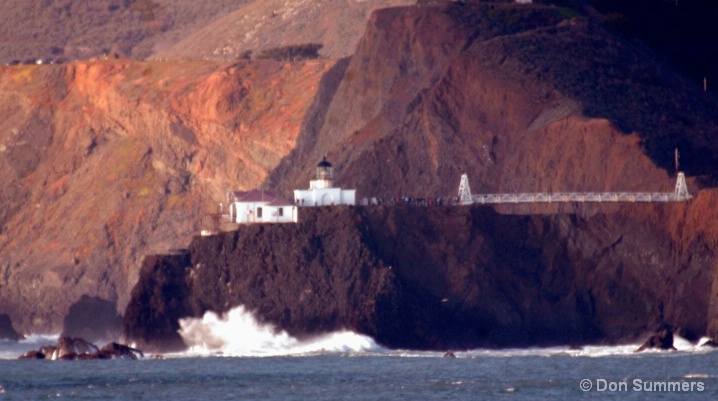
(324, 170)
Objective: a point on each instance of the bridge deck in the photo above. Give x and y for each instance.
(579, 197)
(680, 194)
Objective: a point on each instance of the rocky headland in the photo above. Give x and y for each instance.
(106, 161)
(447, 277)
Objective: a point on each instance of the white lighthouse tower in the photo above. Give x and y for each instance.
(321, 190)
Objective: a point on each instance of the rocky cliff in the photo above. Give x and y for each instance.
(523, 98)
(107, 161)
(447, 277)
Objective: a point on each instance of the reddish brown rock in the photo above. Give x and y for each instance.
(123, 159)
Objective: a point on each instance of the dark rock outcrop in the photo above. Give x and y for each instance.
(165, 292)
(118, 351)
(662, 340)
(7, 331)
(32, 355)
(48, 350)
(71, 349)
(443, 278)
(92, 318)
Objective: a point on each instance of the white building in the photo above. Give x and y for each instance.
(258, 206)
(321, 191)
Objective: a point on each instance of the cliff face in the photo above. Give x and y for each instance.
(438, 278)
(506, 93)
(106, 161)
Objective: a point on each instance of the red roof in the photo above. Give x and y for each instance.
(238, 195)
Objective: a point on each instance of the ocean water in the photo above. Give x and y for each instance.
(234, 358)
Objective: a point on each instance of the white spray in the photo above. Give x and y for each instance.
(237, 333)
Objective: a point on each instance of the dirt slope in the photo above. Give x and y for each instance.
(266, 24)
(179, 29)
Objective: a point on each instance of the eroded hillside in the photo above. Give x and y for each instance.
(106, 161)
(520, 97)
(179, 29)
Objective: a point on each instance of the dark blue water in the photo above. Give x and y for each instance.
(389, 375)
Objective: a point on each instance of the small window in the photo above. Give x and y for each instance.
(281, 211)
(259, 212)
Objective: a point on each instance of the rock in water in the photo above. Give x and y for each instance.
(32, 355)
(663, 339)
(119, 351)
(67, 346)
(70, 349)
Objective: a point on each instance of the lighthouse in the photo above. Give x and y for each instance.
(325, 176)
(321, 190)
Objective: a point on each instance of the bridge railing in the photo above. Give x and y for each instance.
(578, 197)
(678, 195)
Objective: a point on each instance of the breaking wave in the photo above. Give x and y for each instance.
(238, 333)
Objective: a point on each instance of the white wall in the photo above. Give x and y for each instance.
(324, 197)
(248, 212)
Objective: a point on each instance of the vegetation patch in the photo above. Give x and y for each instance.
(306, 51)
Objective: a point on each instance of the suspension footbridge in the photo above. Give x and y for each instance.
(678, 195)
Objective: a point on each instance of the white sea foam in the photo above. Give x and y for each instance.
(590, 351)
(238, 333)
(13, 349)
